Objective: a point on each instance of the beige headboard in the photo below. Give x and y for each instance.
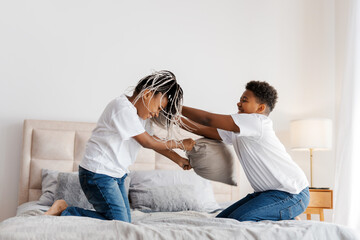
(60, 145)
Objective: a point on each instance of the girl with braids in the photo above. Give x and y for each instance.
(121, 130)
(281, 188)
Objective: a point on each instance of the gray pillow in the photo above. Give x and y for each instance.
(200, 192)
(48, 187)
(213, 160)
(68, 188)
(171, 198)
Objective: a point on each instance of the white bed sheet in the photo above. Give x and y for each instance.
(32, 224)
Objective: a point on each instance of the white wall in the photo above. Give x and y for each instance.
(65, 60)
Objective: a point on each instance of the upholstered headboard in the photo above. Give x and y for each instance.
(60, 145)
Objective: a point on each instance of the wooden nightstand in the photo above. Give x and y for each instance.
(320, 199)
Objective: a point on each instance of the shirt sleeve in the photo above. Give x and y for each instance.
(127, 123)
(226, 136)
(250, 125)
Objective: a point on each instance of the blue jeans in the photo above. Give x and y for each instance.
(269, 205)
(107, 195)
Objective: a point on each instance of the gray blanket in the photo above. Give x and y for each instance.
(165, 225)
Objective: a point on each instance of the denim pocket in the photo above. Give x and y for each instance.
(293, 211)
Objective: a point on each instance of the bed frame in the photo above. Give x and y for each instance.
(59, 145)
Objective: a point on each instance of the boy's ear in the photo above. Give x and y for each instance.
(147, 94)
(261, 108)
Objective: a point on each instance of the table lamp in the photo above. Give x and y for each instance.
(311, 135)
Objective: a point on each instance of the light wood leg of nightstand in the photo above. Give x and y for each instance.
(310, 211)
(322, 215)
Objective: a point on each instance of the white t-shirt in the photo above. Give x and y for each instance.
(111, 148)
(263, 157)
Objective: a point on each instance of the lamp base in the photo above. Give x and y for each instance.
(324, 188)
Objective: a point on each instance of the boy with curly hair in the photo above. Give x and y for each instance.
(281, 189)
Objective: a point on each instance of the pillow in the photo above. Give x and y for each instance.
(171, 198)
(213, 160)
(68, 188)
(151, 181)
(49, 186)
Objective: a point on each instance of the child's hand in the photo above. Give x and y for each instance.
(184, 163)
(188, 144)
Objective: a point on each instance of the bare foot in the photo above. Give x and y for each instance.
(298, 218)
(57, 208)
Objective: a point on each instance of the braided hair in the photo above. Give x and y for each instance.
(163, 82)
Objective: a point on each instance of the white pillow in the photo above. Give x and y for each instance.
(203, 192)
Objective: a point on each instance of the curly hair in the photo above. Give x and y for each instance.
(264, 92)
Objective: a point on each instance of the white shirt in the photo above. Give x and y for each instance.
(111, 148)
(263, 157)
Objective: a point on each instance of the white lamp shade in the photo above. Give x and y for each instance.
(311, 133)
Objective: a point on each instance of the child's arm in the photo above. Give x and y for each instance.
(208, 119)
(199, 129)
(147, 141)
(176, 158)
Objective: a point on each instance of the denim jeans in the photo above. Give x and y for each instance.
(107, 195)
(269, 205)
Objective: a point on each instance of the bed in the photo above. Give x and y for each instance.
(59, 145)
